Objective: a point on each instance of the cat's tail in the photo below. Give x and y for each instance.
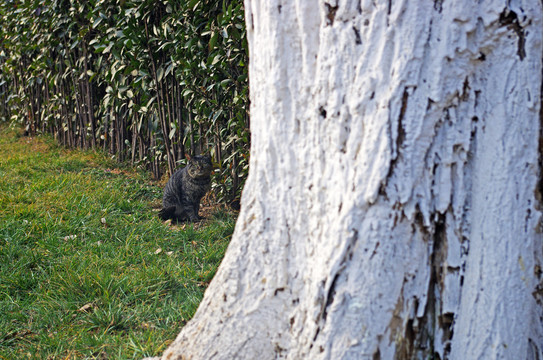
(167, 213)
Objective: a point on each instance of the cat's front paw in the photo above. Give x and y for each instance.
(195, 218)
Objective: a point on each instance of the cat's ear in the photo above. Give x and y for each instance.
(187, 156)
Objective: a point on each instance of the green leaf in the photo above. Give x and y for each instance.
(169, 69)
(216, 59)
(108, 48)
(225, 82)
(160, 74)
(213, 41)
(193, 4)
(96, 22)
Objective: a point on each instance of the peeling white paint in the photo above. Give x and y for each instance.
(391, 192)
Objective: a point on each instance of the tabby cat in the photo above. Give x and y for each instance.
(185, 189)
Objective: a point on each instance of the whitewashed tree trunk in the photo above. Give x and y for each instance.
(393, 205)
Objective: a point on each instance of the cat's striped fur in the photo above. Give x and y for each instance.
(185, 189)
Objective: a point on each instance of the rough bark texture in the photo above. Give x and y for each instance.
(393, 204)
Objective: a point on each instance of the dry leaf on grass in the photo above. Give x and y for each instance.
(85, 308)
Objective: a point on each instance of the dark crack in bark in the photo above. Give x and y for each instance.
(400, 138)
(330, 13)
(438, 5)
(509, 19)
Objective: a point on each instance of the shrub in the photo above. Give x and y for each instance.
(147, 81)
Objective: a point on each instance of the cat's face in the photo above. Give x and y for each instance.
(200, 166)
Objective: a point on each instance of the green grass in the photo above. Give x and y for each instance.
(74, 287)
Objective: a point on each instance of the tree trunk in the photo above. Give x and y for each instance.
(393, 205)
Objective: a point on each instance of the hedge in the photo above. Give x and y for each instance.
(148, 81)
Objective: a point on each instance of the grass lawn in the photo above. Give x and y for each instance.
(87, 270)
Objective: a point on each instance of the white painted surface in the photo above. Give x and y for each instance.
(394, 167)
